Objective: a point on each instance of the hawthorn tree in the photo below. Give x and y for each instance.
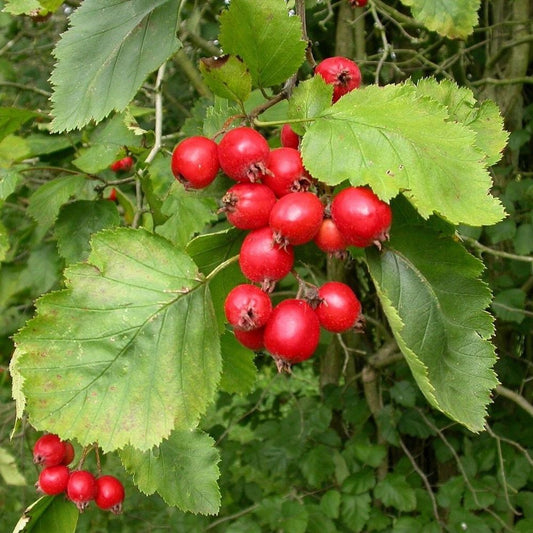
(115, 274)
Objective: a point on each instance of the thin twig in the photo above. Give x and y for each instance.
(498, 253)
(516, 398)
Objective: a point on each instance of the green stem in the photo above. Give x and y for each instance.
(266, 123)
(221, 267)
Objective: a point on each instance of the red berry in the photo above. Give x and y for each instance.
(247, 307)
(112, 194)
(296, 217)
(248, 205)
(69, 454)
(262, 260)
(289, 138)
(53, 480)
(361, 216)
(109, 494)
(286, 172)
(81, 488)
(339, 308)
(122, 165)
(340, 72)
(358, 3)
(243, 154)
(252, 339)
(195, 161)
(292, 331)
(49, 450)
(329, 239)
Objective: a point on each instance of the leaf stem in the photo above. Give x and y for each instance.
(499, 253)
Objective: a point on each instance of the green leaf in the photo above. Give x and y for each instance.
(4, 242)
(330, 503)
(403, 393)
(395, 492)
(247, 29)
(183, 470)
(49, 513)
(47, 200)
(126, 353)
(9, 180)
(523, 239)
(509, 305)
(227, 76)
(12, 118)
(9, 471)
(355, 511)
(238, 369)
(76, 223)
(106, 55)
(394, 140)
(360, 482)
(453, 18)
(435, 302)
(317, 465)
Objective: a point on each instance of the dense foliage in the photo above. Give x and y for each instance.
(113, 274)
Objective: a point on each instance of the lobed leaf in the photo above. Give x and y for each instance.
(106, 55)
(126, 353)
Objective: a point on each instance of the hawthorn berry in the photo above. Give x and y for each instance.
(262, 260)
(248, 205)
(329, 239)
(358, 3)
(112, 195)
(286, 172)
(362, 218)
(247, 307)
(195, 161)
(81, 488)
(109, 494)
(69, 454)
(53, 480)
(289, 138)
(339, 308)
(253, 339)
(292, 332)
(49, 450)
(340, 72)
(296, 217)
(122, 165)
(243, 154)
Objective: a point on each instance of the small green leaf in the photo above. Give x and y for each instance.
(76, 223)
(509, 305)
(12, 118)
(47, 200)
(360, 482)
(355, 511)
(403, 393)
(395, 492)
(317, 465)
(183, 470)
(523, 239)
(127, 352)
(9, 180)
(238, 369)
(455, 19)
(49, 513)
(227, 76)
(106, 55)
(246, 30)
(369, 453)
(330, 503)
(9, 470)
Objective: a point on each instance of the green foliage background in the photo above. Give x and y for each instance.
(361, 438)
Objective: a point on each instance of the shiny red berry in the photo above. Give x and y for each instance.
(248, 205)
(358, 3)
(195, 161)
(340, 72)
(253, 339)
(69, 454)
(292, 331)
(339, 308)
(262, 260)
(122, 165)
(362, 218)
(289, 138)
(49, 450)
(329, 239)
(81, 488)
(247, 307)
(296, 217)
(53, 480)
(109, 494)
(286, 172)
(243, 154)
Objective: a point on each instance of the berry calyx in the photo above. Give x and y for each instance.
(81, 488)
(247, 307)
(296, 217)
(248, 205)
(49, 450)
(53, 480)
(262, 260)
(289, 138)
(339, 308)
(362, 218)
(253, 339)
(292, 332)
(286, 172)
(329, 239)
(340, 72)
(243, 154)
(109, 494)
(122, 165)
(195, 162)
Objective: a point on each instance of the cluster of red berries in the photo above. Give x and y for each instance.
(79, 486)
(281, 206)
